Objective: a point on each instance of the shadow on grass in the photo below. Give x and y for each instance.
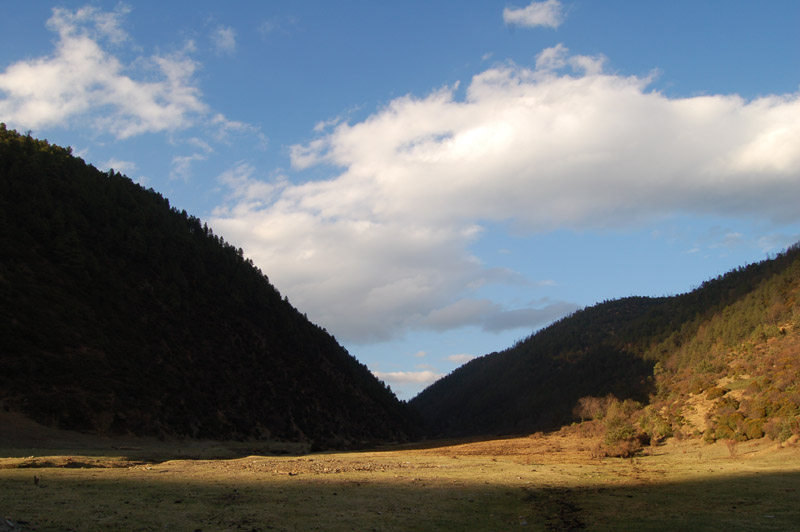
(37, 456)
(154, 451)
(92, 500)
(768, 501)
(296, 503)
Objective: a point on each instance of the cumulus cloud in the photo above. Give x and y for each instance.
(81, 79)
(462, 358)
(459, 313)
(493, 317)
(528, 318)
(119, 165)
(557, 57)
(548, 14)
(383, 245)
(240, 178)
(181, 165)
(553, 58)
(364, 280)
(104, 25)
(408, 377)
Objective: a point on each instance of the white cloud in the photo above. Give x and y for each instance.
(553, 58)
(277, 25)
(311, 154)
(493, 317)
(777, 242)
(383, 245)
(459, 313)
(224, 40)
(119, 165)
(409, 377)
(83, 81)
(250, 193)
(420, 354)
(225, 129)
(200, 143)
(557, 57)
(527, 318)
(88, 18)
(323, 125)
(548, 13)
(181, 165)
(730, 240)
(462, 358)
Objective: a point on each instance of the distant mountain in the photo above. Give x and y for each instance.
(120, 314)
(735, 340)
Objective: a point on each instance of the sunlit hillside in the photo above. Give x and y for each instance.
(722, 361)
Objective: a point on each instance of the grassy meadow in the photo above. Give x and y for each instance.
(545, 482)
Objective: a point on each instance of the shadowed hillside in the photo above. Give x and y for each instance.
(732, 345)
(120, 314)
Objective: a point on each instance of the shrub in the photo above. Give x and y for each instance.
(716, 392)
(722, 432)
(591, 408)
(590, 429)
(619, 429)
(599, 407)
(754, 429)
(727, 403)
(772, 429)
(754, 408)
(624, 449)
(698, 383)
(729, 426)
(786, 430)
(788, 409)
(654, 425)
(621, 437)
(781, 429)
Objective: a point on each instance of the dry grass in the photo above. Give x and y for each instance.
(550, 482)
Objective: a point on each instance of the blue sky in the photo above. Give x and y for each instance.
(432, 181)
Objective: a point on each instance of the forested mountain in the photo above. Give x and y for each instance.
(120, 314)
(738, 333)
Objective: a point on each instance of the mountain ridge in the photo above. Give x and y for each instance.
(653, 351)
(123, 315)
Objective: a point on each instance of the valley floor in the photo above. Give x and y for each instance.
(539, 483)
